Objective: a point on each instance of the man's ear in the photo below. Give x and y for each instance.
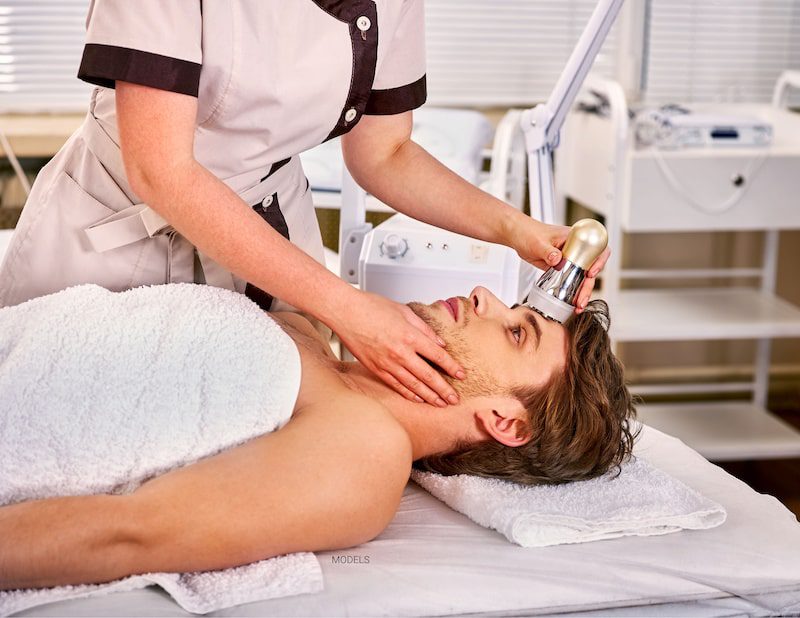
(504, 419)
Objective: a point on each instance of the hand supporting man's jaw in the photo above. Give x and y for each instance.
(500, 347)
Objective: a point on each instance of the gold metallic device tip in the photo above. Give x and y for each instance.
(587, 240)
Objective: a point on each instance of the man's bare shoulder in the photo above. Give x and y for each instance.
(298, 321)
(302, 325)
(357, 416)
(347, 413)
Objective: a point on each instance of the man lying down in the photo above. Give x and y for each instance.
(97, 386)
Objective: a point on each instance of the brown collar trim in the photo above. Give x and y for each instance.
(361, 16)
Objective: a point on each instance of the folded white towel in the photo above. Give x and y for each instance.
(199, 593)
(102, 391)
(642, 501)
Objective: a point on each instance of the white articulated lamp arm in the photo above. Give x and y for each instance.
(541, 125)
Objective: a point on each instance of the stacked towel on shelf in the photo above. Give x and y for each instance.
(642, 501)
(102, 391)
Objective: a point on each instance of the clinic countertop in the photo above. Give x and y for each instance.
(38, 135)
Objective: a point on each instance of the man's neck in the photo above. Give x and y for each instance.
(430, 428)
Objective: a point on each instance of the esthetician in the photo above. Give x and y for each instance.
(186, 167)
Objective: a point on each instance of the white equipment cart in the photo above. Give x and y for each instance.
(647, 189)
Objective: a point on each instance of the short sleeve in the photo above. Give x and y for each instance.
(156, 43)
(399, 84)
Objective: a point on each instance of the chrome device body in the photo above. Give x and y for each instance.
(553, 295)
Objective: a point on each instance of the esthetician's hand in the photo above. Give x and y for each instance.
(389, 339)
(540, 244)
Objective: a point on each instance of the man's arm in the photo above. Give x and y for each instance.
(330, 478)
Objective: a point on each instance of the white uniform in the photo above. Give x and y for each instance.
(272, 77)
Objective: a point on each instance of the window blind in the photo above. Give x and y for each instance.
(40, 49)
(504, 52)
(719, 50)
(480, 52)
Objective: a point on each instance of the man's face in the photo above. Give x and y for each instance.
(500, 348)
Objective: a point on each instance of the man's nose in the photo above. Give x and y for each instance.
(483, 301)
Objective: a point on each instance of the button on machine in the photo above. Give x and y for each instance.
(393, 246)
(478, 254)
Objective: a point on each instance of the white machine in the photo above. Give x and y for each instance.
(677, 127)
(406, 260)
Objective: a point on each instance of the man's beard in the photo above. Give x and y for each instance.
(476, 383)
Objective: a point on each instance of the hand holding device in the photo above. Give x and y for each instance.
(556, 292)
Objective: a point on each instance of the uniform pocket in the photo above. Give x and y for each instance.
(86, 169)
(61, 252)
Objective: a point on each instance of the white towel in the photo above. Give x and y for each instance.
(642, 501)
(200, 593)
(102, 391)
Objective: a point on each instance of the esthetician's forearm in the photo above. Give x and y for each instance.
(417, 184)
(62, 541)
(162, 171)
(213, 218)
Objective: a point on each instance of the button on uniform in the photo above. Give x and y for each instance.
(363, 23)
(350, 114)
(267, 202)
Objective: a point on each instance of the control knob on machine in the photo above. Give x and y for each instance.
(393, 246)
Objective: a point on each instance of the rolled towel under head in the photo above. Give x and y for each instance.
(641, 501)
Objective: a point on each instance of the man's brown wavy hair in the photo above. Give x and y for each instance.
(579, 422)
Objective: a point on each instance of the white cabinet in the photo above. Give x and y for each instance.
(640, 191)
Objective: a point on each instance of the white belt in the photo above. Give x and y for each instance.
(125, 227)
(139, 221)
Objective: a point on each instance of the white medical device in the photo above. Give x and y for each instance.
(404, 259)
(671, 127)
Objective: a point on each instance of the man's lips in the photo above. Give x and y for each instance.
(452, 306)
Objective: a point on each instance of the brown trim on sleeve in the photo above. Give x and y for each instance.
(103, 65)
(397, 100)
